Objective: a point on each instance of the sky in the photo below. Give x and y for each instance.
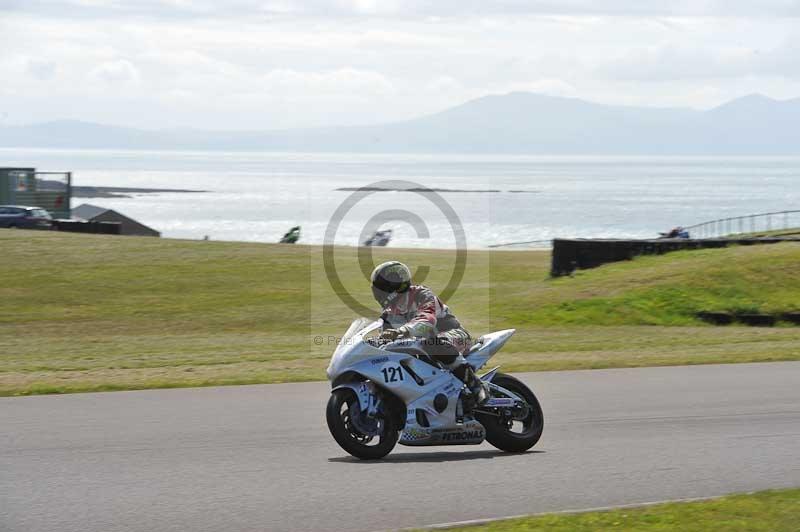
(274, 64)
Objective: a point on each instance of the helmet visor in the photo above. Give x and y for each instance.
(382, 297)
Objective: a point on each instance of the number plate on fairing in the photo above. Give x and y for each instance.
(392, 373)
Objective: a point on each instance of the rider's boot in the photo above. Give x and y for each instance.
(477, 388)
(447, 354)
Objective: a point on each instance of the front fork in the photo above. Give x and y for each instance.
(367, 407)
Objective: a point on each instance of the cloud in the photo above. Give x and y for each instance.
(287, 63)
(406, 8)
(677, 62)
(118, 72)
(674, 61)
(41, 70)
(445, 84)
(287, 82)
(551, 87)
(781, 61)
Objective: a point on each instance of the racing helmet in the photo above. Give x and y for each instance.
(388, 280)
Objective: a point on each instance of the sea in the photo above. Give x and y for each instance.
(479, 200)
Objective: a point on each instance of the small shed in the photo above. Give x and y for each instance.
(128, 226)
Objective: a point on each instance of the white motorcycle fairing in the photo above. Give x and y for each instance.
(431, 395)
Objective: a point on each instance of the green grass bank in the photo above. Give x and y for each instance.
(768, 511)
(91, 313)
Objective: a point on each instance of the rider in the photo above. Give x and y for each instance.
(414, 311)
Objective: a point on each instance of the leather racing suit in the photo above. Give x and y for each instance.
(423, 315)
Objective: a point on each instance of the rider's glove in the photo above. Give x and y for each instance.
(390, 334)
(394, 334)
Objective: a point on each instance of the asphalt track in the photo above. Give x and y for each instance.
(260, 457)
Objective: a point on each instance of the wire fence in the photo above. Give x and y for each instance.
(767, 222)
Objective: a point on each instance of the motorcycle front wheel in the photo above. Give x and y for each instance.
(514, 436)
(341, 406)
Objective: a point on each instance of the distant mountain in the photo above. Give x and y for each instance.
(518, 122)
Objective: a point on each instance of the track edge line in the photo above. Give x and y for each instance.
(487, 520)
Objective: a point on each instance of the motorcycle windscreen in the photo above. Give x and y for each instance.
(359, 326)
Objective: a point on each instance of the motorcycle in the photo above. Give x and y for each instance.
(379, 238)
(388, 392)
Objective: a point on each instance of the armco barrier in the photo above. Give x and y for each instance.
(578, 254)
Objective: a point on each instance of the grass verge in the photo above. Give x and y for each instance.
(92, 313)
(767, 511)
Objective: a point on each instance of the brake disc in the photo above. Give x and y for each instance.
(520, 412)
(364, 423)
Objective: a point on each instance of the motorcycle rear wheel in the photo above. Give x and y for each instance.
(347, 435)
(501, 433)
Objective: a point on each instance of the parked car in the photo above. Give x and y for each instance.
(17, 216)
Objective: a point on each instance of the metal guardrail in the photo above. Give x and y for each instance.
(751, 223)
(736, 225)
(523, 243)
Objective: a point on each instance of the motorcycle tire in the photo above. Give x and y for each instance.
(500, 434)
(347, 436)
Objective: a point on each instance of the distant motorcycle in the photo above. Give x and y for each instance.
(379, 238)
(389, 392)
(291, 236)
(676, 232)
